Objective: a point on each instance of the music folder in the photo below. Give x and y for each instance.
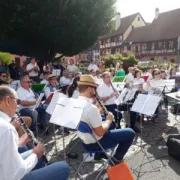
(68, 112)
(146, 104)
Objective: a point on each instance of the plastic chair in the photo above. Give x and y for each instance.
(85, 128)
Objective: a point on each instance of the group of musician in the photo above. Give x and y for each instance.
(20, 161)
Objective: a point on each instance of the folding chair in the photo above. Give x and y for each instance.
(84, 128)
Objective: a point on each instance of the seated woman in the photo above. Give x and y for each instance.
(72, 90)
(137, 81)
(172, 73)
(156, 85)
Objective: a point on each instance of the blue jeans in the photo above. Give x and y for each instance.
(121, 137)
(55, 171)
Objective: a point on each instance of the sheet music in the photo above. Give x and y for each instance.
(119, 86)
(126, 95)
(56, 72)
(68, 112)
(146, 104)
(170, 84)
(54, 100)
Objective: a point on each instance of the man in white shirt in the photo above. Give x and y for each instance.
(108, 96)
(130, 76)
(12, 165)
(28, 103)
(65, 81)
(72, 68)
(33, 69)
(92, 117)
(93, 66)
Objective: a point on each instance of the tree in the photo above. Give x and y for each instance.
(43, 27)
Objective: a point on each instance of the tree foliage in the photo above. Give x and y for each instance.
(44, 27)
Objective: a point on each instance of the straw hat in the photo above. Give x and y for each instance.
(87, 80)
(51, 76)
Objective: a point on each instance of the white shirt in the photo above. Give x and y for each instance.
(93, 118)
(129, 78)
(72, 68)
(75, 94)
(155, 85)
(93, 67)
(12, 165)
(32, 73)
(137, 83)
(48, 92)
(44, 81)
(26, 95)
(104, 91)
(64, 81)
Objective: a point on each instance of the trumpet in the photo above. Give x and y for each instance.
(30, 134)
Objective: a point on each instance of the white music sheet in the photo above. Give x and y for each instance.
(119, 86)
(68, 112)
(146, 104)
(56, 72)
(170, 84)
(54, 100)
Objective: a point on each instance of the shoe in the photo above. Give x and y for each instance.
(100, 155)
(136, 129)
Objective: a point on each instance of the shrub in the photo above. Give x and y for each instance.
(6, 58)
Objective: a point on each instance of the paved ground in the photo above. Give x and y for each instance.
(148, 160)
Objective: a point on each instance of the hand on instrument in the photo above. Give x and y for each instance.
(24, 139)
(39, 150)
(110, 116)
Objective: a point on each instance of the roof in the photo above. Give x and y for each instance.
(125, 23)
(166, 26)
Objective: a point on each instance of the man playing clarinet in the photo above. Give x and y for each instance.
(122, 138)
(16, 166)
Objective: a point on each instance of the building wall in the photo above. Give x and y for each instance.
(138, 22)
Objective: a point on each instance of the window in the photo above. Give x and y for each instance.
(153, 46)
(139, 19)
(160, 45)
(171, 44)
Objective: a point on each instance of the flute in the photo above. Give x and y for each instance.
(30, 134)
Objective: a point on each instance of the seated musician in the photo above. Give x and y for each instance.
(149, 73)
(51, 87)
(172, 74)
(16, 166)
(138, 81)
(163, 74)
(91, 115)
(28, 102)
(72, 90)
(108, 96)
(155, 85)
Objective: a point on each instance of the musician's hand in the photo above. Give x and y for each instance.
(110, 116)
(39, 150)
(23, 140)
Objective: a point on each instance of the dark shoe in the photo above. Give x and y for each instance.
(136, 129)
(100, 155)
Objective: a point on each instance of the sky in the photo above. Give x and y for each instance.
(145, 7)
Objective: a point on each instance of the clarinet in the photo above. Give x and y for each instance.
(114, 90)
(101, 104)
(31, 135)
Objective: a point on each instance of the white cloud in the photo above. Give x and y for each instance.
(145, 7)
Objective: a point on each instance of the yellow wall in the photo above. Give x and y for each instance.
(135, 23)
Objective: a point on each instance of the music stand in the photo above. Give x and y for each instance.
(63, 118)
(149, 104)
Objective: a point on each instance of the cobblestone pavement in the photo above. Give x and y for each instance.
(147, 157)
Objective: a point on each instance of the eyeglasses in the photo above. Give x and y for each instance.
(18, 101)
(157, 73)
(4, 76)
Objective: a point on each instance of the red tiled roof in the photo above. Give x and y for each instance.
(166, 26)
(125, 23)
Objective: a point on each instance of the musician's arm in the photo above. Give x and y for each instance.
(28, 103)
(17, 165)
(28, 69)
